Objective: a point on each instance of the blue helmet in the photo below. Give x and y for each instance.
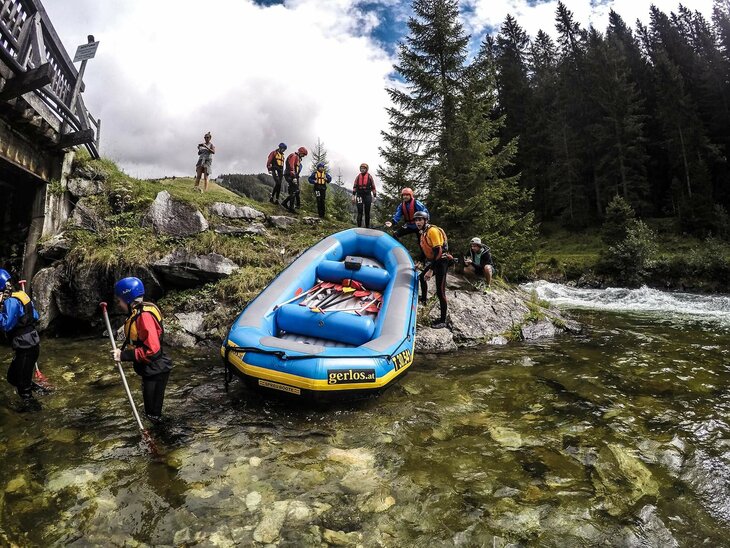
(282, 146)
(320, 165)
(5, 277)
(129, 289)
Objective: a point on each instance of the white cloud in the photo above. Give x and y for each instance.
(536, 16)
(169, 70)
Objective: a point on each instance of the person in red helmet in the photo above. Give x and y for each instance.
(406, 211)
(291, 173)
(363, 194)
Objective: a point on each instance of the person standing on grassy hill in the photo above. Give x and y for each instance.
(143, 334)
(292, 170)
(363, 194)
(275, 167)
(18, 319)
(406, 211)
(206, 150)
(319, 179)
(479, 262)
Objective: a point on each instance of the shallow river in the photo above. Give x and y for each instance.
(620, 436)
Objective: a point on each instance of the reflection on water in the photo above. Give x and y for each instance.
(619, 437)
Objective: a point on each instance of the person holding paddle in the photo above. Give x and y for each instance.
(143, 334)
(18, 318)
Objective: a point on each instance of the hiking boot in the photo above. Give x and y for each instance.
(439, 325)
(423, 302)
(271, 199)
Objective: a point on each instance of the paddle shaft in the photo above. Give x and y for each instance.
(121, 372)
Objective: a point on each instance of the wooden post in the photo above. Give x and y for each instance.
(77, 86)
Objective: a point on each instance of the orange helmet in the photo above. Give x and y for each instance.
(407, 191)
(364, 166)
(302, 151)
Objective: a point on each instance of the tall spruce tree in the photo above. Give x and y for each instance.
(422, 118)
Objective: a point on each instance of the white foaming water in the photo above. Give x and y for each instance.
(643, 300)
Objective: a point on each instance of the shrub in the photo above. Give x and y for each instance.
(619, 218)
(630, 259)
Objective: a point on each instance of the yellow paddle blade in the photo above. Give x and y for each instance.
(348, 289)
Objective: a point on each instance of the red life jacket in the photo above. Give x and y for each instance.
(364, 183)
(408, 210)
(293, 164)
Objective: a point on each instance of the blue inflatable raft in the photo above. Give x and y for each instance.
(339, 322)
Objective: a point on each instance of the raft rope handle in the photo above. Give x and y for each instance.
(285, 356)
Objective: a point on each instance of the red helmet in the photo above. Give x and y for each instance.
(407, 191)
(302, 151)
(363, 165)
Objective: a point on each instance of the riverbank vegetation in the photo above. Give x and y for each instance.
(541, 132)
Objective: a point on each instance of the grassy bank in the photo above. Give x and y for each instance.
(681, 261)
(118, 241)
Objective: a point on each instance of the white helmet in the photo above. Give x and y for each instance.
(477, 241)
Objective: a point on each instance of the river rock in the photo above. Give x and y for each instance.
(474, 316)
(174, 217)
(543, 329)
(621, 479)
(185, 269)
(281, 221)
(231, 211)
(84, 187)
(178, 338)
(255, 229)
(499, 340)
(253, 499)
(55, 248)
(378, 503)
(358, 457)
(85, 216)
(360, 481)
(44, 287)
(298, 513)
(192, 322)
(340, 538)
(434, 341)
(653, 530)
(270, 525)
(18, 485)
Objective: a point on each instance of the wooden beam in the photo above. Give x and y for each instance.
(82, 137)
(33, 79)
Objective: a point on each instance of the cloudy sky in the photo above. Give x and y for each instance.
(255, 73)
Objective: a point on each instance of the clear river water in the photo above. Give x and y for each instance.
(619, 436)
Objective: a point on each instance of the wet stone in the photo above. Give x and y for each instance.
(340, 538)
(270, 525)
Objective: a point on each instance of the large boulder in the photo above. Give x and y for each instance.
(90, 172)
(474, 316)
(254, 229)
(543, 329)
(84, 187)
(174, 217)
(281, 221)
(85, 216)
(434, 341)
(55, 248)
(231, 211)
(185, 269)
(44, 287)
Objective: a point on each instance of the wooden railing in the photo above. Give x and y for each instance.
(28, 42)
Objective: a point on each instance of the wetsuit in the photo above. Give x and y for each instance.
(291, 174)
(275, 166)
(320, 179)
(18, 319)
(434, 246)
(144, 333)
(364, 191)
(405, 211)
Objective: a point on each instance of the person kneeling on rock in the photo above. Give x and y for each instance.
(18, 319)
(142, 346)
(479, 262)
(434, 255)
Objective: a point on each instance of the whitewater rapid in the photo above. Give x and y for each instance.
(643, 300)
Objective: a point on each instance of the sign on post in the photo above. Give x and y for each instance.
(86, 52)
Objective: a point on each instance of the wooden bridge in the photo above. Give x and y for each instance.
(43, 119)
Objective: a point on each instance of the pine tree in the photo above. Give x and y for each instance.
(318, 155)
(431, 63)
(338, 200)
(481, 199)
(618, 129)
